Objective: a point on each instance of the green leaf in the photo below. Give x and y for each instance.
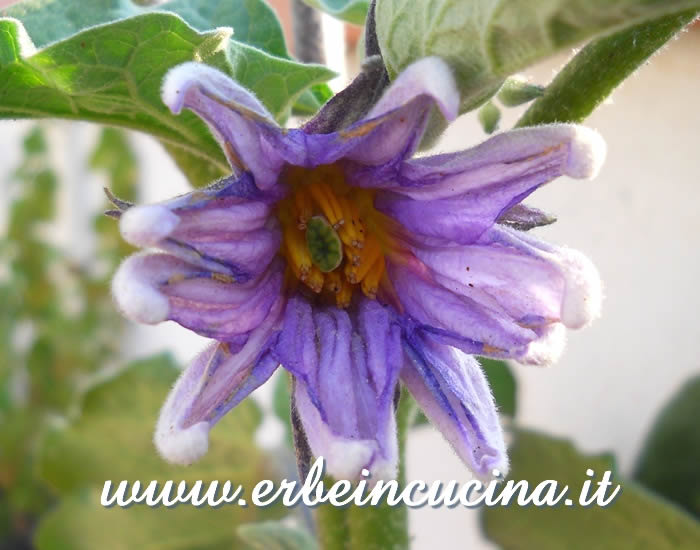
(253, 21)
(113, 437)
(112, 75)
(80, 522)
(277, 82)
(669, 460)
(352, 11)
(484, 41)
(112, 440)
(599, 68)
(636, 519)
(13, 41)
(273, 535)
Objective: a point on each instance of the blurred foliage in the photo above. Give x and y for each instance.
(635, 520)
(670, 459)
(272, 535)
(112, 440)
(70, 416)
(57, 322)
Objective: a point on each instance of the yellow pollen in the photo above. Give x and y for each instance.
(223, 278)
(343, 238)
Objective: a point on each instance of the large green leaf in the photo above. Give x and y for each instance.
(80, 522)
(669, 460)
(113, 437)
(599, 68)
(112, 74)
(253, 21)
(485, 41)
(352, 11)
(635, 520)
(112, 440)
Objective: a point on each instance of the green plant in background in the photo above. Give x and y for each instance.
(58, 324)
(72, 415)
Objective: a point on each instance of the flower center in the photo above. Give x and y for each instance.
(333, 238)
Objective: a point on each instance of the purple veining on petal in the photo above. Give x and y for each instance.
(213, 228)
(573, 150)
(235, 116)
(392, 130)
(582, 296)
(459, 317)
(215, 382)
(463, 218)
(453, 392)
(459, 278)
(153, 287)
(528, 290)
(344, 393)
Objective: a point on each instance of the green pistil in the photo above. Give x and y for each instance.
(324, 244)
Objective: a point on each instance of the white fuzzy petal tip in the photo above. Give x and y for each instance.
(182, 446)
(440, 83)
(547, 349)
(345, 459)
(180, 79)
(147, 225)
(583, 295)
(587, 151)
(431, 76)
(136, 293)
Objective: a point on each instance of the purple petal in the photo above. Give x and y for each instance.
(154, 287)
(454, 394)
(246, 131)
(460, 319)
(346, 372)
(392, 130)
(527, 289)
(215, 382)
(210, 228)
(582, 296)
(508, 166)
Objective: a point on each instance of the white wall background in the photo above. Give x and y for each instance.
(638, 222)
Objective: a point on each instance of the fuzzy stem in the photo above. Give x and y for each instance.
(599, 68)
(384, 527)
(332, 525)
(370, 527)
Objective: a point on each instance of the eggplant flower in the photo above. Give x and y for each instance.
(355, 266)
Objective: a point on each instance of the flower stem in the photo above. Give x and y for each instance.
(332, 524)
(600, 67)
(370, 527)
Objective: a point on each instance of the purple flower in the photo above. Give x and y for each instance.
(355, 266)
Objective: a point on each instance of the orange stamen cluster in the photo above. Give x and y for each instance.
(350, 213)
